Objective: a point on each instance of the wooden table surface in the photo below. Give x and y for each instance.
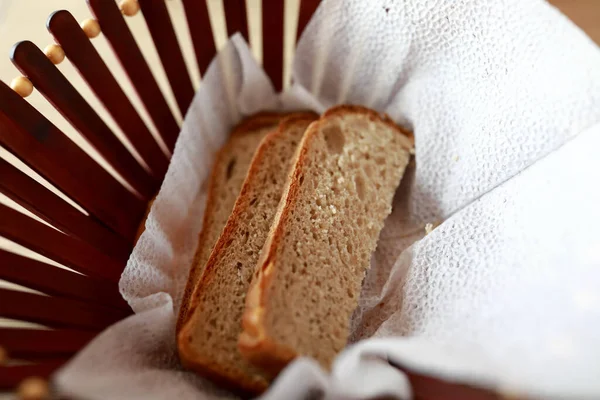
(584, 13)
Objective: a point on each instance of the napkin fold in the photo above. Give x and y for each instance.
(504, 101)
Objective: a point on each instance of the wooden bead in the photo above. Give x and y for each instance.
(33, 388)
(129, 7)
(55, 53)
(22, 86)
(3, 356)
(91, 27)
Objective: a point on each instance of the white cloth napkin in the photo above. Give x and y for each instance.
(504, 100)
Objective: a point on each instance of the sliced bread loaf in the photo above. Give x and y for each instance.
(228, 174)
(309, 276)
(208, 340)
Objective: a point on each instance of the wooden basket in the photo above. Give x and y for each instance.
(96, 243)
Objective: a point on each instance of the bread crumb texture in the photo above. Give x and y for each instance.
(218, 302)
(340, 192)
(228, 174)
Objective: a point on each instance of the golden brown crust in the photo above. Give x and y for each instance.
(243, 196)
(187, 354)
(349, 108)
(252, 123)
(255, 343)
(212, 371)
(195, 268)
(257, 121)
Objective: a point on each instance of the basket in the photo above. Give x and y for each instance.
(93, 231)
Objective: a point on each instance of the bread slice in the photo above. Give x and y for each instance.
(309, 277)
(228, 174)
(208, 341)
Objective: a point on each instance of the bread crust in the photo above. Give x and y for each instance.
(252, 123)
(189, 357)
(255, 343)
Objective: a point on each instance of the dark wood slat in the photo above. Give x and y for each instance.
(44, 75)
(426, 387)
(236, 17)
(164, 37)
(84, 56)
(42, 146)
(55, 281)
(57, 312)
(57, 246)
(273, 21)
(307, 9)
(11, 377)
(45, 204)
(429, 388)
(196, 13)
(37, 343)
(123, 43)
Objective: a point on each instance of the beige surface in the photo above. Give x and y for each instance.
(585, 13)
